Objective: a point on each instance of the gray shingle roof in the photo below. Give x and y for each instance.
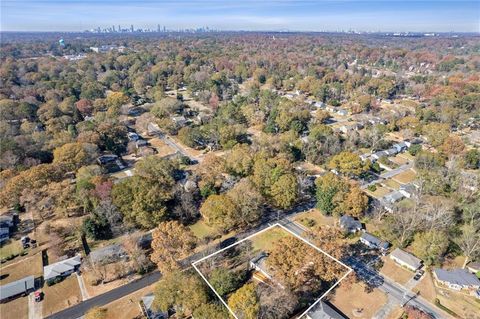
(459, 277)
(17, 287)
(350, 223)
(324, 311)
(375, 240)
(58, 268)
(407, 258)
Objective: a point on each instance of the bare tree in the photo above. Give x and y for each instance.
(469, 241)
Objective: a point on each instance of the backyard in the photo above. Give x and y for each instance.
(16, 308)
(20, 268)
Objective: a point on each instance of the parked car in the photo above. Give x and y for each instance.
(38, 296)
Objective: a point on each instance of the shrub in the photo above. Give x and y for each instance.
(372, 187)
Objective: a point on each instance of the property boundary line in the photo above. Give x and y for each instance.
(349, 270)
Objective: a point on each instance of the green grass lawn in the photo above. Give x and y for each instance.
(202, 230)
(15, 247)
(265, 240)
(316, 216)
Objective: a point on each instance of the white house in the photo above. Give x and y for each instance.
(457, 279)
(62, 268)
(405, 259)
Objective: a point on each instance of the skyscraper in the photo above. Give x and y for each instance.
(131, 28)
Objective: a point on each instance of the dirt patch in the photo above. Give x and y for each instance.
(350, 298)
(61, 295)
(395, 272)
(16, 308)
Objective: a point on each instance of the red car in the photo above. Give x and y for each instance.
(38, 296)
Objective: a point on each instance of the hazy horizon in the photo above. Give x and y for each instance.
(247, 15)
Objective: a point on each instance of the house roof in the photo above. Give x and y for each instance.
(324, 311)
(349, 222)
(17, 287)
(407, 258)
(375, 240)
(457, 277)
(106, 253)
(58, 268)
(393, 197)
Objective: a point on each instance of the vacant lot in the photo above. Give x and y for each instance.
(17, 308)
(395, 272)
(20, 268)
(314, 217)
(61, 295)
(405, 177)
(353, 298)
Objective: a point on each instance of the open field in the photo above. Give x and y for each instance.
(350, 298)
(405, 177)
(395, 272)
(61, 295)
(16, 308)
(20, 268)
(316, 216)
(128, 306)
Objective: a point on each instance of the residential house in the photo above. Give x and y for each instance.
(391, 151)
(259, 264)
(179, 120)
(374, 242)
(350, 224)
(401, 147)
(62, 268)
(8, 220)
(146, 304)
(108, 254)
(457, 279)
(16, 288)
(319, 105)
(377, 155)
(393, 197)
(324, 310)
(474, 267)
(141, 143)
(408, 190)
(342, 112)
(405, 259)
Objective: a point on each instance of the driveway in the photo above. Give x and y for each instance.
(35, 309)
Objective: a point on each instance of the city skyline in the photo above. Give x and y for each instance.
(271, 15)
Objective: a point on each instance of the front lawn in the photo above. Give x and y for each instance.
(395, 271)
(265, 240)
(405, 177)
(61, 295)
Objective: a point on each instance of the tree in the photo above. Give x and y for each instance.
(240, 160)
(210, 311)
(276, 303)
(436, 133)
(97, 227)
(354, 203)
(182, 291)
(114, 101)
(143, 198)
(348, 163)
(171, 242)
(300, 266)
(469, 240)
(430, 246)
(220, 212)
(96, 313)
(330, 187)
(472, 159)
(453, 145)
(248, 201)
(329, 239)
(224, 281)
(284, 191)
(75, 155)
(244, 302)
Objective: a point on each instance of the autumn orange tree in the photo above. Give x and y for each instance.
(244, 302)
(171, 242)
(298, 265)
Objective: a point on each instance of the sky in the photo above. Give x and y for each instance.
(254, 15)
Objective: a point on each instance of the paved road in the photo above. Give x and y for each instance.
(400, 293)
(269, 217)
(79, 309)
